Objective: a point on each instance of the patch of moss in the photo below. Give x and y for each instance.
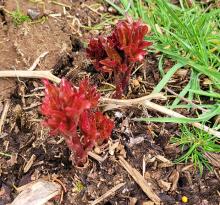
(18, 17)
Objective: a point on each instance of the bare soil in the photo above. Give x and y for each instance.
(23, 136)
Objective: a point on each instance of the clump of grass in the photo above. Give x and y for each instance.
(187, 35)
(18, 17)
(195, 143)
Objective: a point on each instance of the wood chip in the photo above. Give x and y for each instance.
(187, 167)
(181, 73)
(174, 178)
(132, 201)
(97, 157)
(136, 140)
(113, 147)
(4, 114)
(213, 158)
(29, 163)
(148, 203)
(139, 179)
(164, 185)
(13, 160)
(37, 193)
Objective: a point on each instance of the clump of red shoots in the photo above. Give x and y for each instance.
(72, 112)
(118, 52)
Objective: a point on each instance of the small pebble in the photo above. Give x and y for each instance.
(112, 10)
(34, 14)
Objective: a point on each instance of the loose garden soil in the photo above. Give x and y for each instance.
(34, 154)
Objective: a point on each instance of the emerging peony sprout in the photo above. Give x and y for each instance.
(118, 52)
(73, 113)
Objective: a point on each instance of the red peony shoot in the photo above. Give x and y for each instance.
(118, 52)
(73, 114)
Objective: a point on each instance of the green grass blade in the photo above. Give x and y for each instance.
(212, 73)
(160, 66)
(167, 77)
(205, 93)
(181, 94)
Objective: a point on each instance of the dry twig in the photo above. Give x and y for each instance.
(96, 157)
(172, 113)
(29, 163)
(60, 4)
(29, 74)
(36, 62)
(130, 102)
(139, 179)
(32, 106)
(108, 193)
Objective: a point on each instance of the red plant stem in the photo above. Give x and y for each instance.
(76, 146)
(122, 79)
(118, 83)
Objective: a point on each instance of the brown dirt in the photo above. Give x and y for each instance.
(23, 44)
(23, 136)
(8, 60)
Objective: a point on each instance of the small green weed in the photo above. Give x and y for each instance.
(79, 186)
(195, 143)
(18, 17)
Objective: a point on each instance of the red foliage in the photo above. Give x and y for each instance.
(130, 36)
(119, 51)
(70, 111)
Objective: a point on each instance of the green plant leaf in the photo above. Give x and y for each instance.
(167, 77)
(205, 93)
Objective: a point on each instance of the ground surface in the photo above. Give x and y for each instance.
(28, 142)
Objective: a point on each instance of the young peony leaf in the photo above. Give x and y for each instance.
(95, 128)
(96, 51)
(62, 106)
(90, 92)
(87, 126)
(130, 36)
(104, 127)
